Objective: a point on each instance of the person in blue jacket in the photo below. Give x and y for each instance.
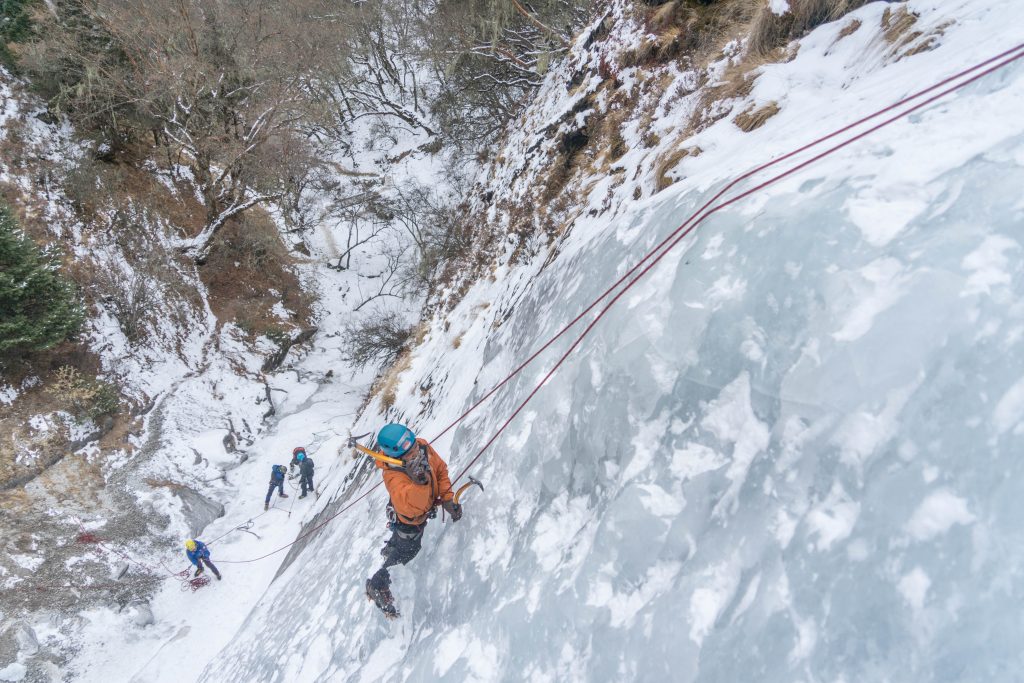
(199, 554)
(277, 473)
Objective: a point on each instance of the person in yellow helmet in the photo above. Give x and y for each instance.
(198, 554)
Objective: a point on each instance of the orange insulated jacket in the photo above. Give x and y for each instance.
(413, 501)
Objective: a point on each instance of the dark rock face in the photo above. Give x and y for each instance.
(199, 510)
(275, 359)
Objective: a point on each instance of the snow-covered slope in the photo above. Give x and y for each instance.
(789, 453)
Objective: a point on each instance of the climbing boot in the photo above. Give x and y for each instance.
(266, 506)
(302, 496)
(284, 495)
(383, 599)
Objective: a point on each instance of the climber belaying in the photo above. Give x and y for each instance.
(198, 554)
(417, 483)
(305, 465)
(277, 474)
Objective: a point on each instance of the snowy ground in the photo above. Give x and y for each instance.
(205, 385)
(316, 397)
(791, 450)
(790, 453)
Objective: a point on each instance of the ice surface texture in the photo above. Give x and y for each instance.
(793, 453)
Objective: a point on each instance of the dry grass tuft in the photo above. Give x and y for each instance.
(387, 386)
(754, 117)
(771, 31)
(669, 161)
(610, 135)
(926, 45)
(896, 23)
(688, 29)
(736, 84)
(664, 15)
(849, 29)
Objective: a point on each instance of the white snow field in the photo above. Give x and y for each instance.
(790, 453)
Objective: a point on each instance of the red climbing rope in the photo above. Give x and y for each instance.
(733, 183)
(653, 257)
(699, 220)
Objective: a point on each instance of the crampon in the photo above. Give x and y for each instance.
(383, 599)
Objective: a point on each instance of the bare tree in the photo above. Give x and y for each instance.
(222, 86)
(380, 338)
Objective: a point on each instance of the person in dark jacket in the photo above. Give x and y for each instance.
(198, 554)
(305, 465)
(277, 473)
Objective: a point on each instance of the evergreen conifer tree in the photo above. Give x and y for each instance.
(38, 307)
(15, 26)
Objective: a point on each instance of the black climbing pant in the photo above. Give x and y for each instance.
(279, 485)
(403, 545)
(306, 481)
(210, 566)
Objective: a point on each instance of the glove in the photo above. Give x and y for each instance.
(291, 477)
(453, 509)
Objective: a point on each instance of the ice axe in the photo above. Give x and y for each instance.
(462, 489)
(375, 455)
(353, 442)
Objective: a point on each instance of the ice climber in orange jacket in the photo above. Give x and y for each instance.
(416, 489)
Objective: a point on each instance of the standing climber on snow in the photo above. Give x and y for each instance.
(306, 466)
(199, 554)
(416, 488)
(277, 473)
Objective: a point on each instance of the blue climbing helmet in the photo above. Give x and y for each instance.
(395, 439)
(299, 454)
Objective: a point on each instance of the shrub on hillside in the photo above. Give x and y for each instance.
(38, 308)
(381, 339)
(84, 397)
(15, 26)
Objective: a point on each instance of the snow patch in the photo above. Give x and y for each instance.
(883, 280)
(695, 459)
(988, 265)
(1009, 412)
(913, 586)
(731, 418)
(15, 671)
(939, 512)
(717, 587)
(834, 518)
